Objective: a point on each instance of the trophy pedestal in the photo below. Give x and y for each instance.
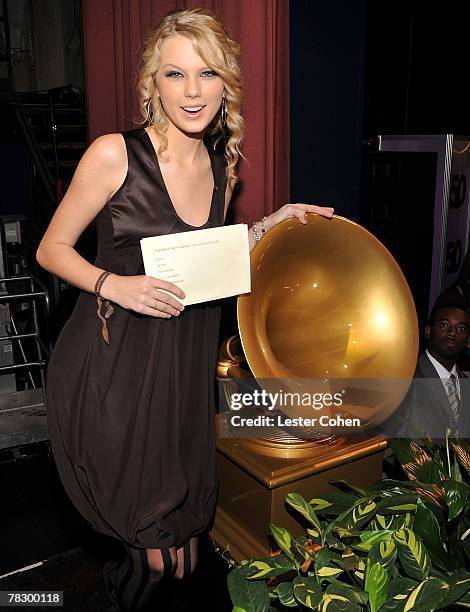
(256, 475)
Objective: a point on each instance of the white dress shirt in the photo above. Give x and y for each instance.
(444, 373)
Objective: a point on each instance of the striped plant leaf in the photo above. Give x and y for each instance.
(285, 592)
(412, 554)
(415, 460)
(398, 504)
(320, 504)
(299, 503)
(462, 450)
(352, 593)
(398, 591)
(433, 493)
(361, 514)
(376, 585)
(407, 520)
(247, 595)
(388, 487)
(334, 503)
(300, 550)
(383, 522)
(325, 566)
(391, 521)
(369, 537)
(353, 518)
(337, 603)
(459, 587)
(307, 591)
(272, 566)
(339, 521)
(284, 541)
(329, 572)
(385, 553)
(427, 596)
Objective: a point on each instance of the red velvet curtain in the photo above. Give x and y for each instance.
(113, 34)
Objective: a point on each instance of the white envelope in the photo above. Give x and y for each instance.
(207, 264)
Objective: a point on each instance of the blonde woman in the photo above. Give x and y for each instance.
(130, 382)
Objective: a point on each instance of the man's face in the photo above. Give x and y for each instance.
(449, 333)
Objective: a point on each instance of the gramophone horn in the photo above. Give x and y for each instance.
(328, 301)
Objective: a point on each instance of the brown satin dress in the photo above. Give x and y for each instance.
(132, 423)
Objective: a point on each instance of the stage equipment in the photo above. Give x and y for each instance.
(328, 301)
(450, 215)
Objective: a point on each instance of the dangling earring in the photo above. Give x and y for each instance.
(154, 108)
(223, 113)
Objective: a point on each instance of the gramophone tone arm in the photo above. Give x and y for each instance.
(230, 357)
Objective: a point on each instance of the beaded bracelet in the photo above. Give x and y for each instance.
(256, 236)
(263, 229)
(99, 283)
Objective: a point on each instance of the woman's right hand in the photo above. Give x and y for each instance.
(144, 295)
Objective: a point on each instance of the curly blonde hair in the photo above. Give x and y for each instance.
(220, 53)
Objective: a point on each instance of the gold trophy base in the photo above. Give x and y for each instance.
(255, 476)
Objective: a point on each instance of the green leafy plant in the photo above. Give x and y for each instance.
(441, 477)
(397, 546)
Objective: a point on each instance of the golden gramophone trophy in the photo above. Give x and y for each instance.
(328, 302)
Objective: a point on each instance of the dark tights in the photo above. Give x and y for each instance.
(135, 582)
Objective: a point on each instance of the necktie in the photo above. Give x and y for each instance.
(453, 396)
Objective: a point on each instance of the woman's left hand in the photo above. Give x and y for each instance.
(297, 210)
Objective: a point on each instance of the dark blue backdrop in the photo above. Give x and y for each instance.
(327, 81)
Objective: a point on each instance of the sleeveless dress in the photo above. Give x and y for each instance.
(131, 423)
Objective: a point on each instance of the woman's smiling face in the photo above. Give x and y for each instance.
(190, 92)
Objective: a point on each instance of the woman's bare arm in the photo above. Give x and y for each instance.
(99, 174)
(101, 170)
(286, 212)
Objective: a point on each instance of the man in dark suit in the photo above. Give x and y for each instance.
(439, 397)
